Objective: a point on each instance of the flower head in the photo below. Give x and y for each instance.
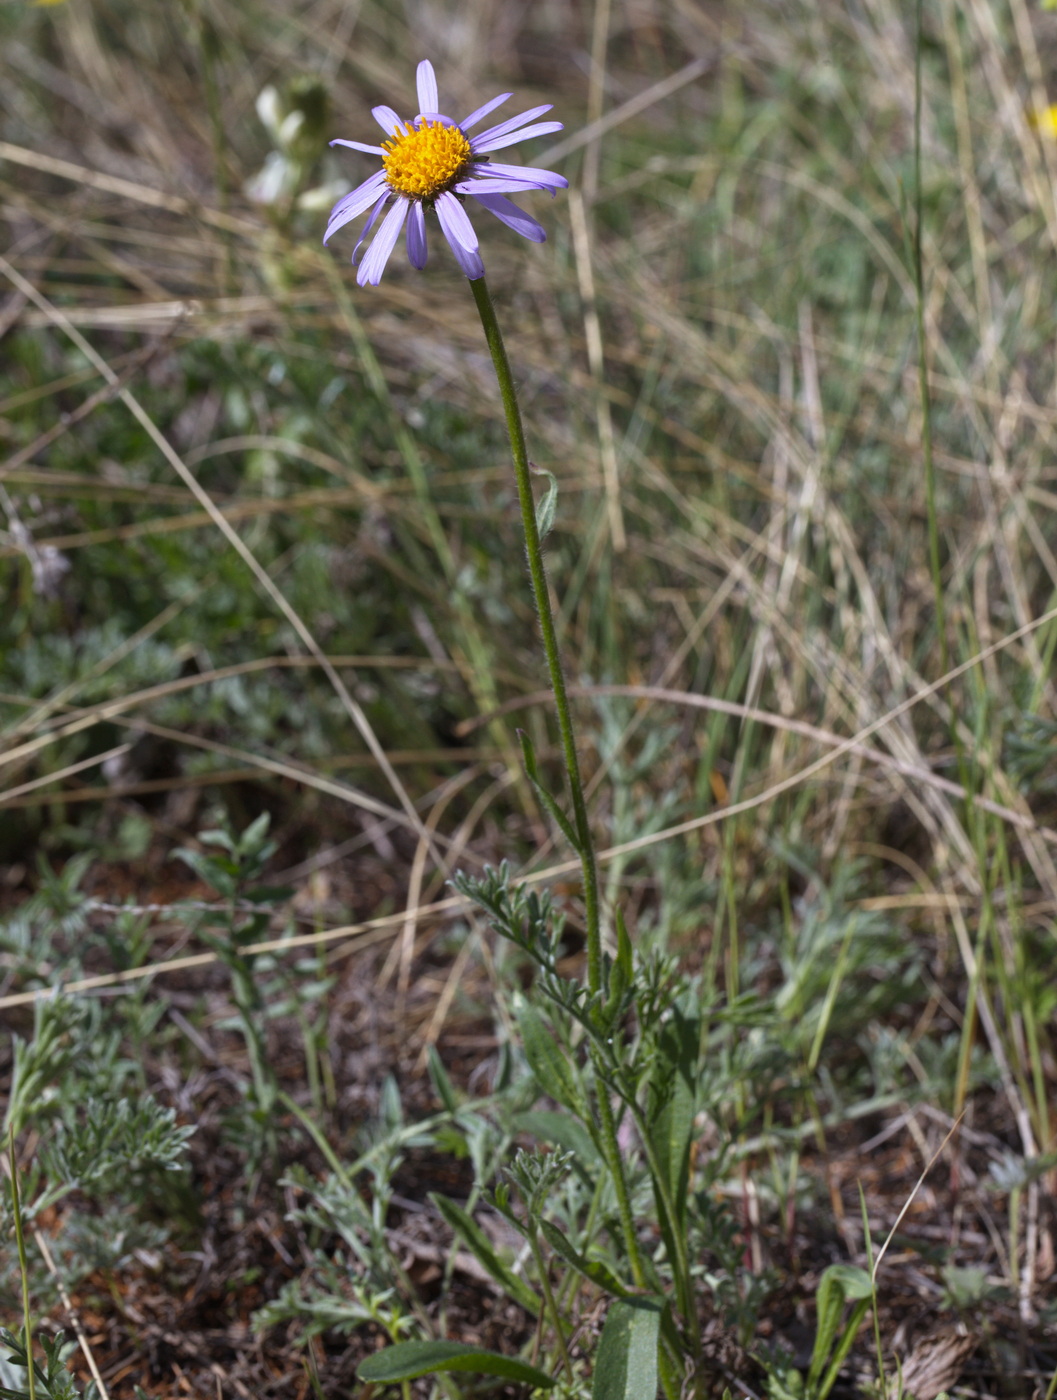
(432, 164)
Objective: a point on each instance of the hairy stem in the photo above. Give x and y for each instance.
(23, 1264)
(581, 827)
(534, 550)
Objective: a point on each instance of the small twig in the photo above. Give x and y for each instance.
(82, 1338)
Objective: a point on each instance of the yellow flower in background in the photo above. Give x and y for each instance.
(1044, 121)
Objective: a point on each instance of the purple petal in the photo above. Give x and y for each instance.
(455, 222)
(480, 145)
(529, 175)
(369, 225)
(475, 185)
(512, 122)
(387, 120)
(513, 217)
(355, 203)
(475, 117)
(434, 117)
(359, 146)
(373, 265)
(470, 263)
(428, 101)
(458, 230)
(416, 236)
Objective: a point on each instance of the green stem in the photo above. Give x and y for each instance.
(620, 1185)
(549, 1301)
(23, 1263)
(581, 826)
(534, 550)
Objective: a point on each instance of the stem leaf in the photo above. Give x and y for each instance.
(441, 1083)
(671, 1107)
(592, 1269)
(480, 1246)
(550, 1063)
(623, 969)
(547, 504)
(528, 754)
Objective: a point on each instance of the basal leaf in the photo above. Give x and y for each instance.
(407, 1360)
(626, 1366)
(838, 1283)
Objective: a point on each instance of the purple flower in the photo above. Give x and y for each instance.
(431, 163)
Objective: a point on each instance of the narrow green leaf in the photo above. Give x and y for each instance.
(623, 969)
(528, 754)
(838, 1283)
(563, 823)
(592, 1269)
(390, 1109)
(408, 1360)
(549, 1061)
(860, 1310)
(672, 1103)
(626, 1366)
(829, 1308)
(443, 1085)
(483, 1250)
(548, 504)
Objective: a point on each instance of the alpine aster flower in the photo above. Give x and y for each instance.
(431, 163)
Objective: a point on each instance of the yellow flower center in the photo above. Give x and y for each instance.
(424, 161)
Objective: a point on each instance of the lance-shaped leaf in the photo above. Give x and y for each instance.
(623, 968)
(443, 1085)
(407, 1360)
(599, 1274)
(549, 1062)
(483, 1250)
(671, 1107)
(548, 503)
(528, 755)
